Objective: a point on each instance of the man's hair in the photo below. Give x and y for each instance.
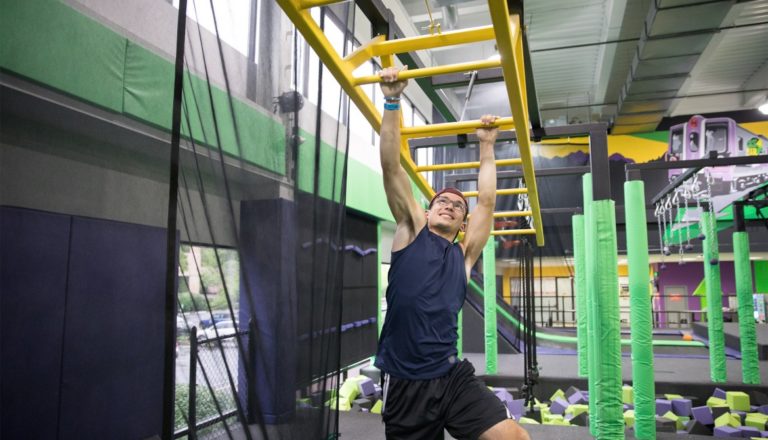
(452, 191)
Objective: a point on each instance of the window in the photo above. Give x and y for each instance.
(233, 18)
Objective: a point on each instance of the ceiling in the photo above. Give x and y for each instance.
(626, 62)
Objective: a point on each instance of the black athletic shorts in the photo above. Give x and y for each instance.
(458, 402)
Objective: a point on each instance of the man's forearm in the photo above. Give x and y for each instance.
(390, 139)
(486, 182)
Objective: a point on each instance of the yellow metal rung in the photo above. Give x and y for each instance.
(466, 165)
(515, 232)
(499, 192)
(465, 36)
(306, 4)
(450, 128)
(363, 53)
(432, 71)
(504, 214)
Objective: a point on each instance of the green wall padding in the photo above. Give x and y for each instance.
(593, 342)
(580, 286)
(640, 309)
(609, 398)
(761, 276)
(714, 300)
(489, 305)
(51, 43)
(750, 367)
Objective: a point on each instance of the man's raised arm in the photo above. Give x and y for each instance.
(408, 215)
(481, 220)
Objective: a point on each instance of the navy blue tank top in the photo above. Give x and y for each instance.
(427, 287)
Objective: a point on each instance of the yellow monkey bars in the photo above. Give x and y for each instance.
(505, 31)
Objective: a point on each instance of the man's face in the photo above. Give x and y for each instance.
(447, 212)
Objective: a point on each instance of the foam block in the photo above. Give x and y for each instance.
(627, 394)
(527, 421)
(570, 392)
(716, 401)
(697, 428)
(682, 407)
(629, 418)
(376, 408)
(718, 411)
(756, 420)
(362, 403)
(577, 398)
(663, 424)
(748, 431)
(728, 419)
(672, 396)
(720, 394)
(727, 431)
(366, 387)
(503, 395)
(517, 408)
(577, 409)
(737, 400)
(349, 389)
(662, 406)
(558, 394)
(678, 421)
(558, 406)
(581, 419)
(763, 409)
(703, 415)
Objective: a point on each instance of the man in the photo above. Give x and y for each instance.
(426, 388)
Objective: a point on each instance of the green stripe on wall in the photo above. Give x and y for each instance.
(761, 276)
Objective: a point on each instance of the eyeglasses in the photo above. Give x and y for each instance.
(457, 204)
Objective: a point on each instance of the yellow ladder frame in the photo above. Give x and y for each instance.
(508, 36)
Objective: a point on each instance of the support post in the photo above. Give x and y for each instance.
(750, 366)
(592, 340)
(608, 327)
(489, 304)
(714, 299)
(641, 322)
(580, 287)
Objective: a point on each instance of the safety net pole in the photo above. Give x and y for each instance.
(609, 405)
(460, 330)
(580, 285)
(489, 305)
(641, 325)
(750, 368)
(714, 299)
(593, 341)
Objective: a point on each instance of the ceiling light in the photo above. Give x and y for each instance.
(764, 108)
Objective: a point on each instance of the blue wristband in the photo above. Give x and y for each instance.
(391, 106)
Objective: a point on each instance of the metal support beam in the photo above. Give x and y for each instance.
(598, 161)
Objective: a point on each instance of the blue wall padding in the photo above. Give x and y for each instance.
(82, 326)
(113, 349)
(33, 276)
(268, 261)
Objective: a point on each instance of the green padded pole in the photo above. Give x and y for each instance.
(593, 342)
(580, 286)
(750, 368)
(460, 330)
(610, 408)
(640, 314)
(489, 303)
(714, 299)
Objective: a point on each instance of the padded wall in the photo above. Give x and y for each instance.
(82, 327)
(33, 277)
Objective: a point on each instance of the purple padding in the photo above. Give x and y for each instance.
(727, 431)
(627, 406)
(113, 363)
(577, 398)
(558, 406)
(503, 395)
(764, 434)
(34, 249)
(719, 393)
(367, 388)
(763, 409)
(703, 415)
(662, 406)
(682, 407)
(516, 408)
(749, 431)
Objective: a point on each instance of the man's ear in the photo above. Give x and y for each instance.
(463, 227)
